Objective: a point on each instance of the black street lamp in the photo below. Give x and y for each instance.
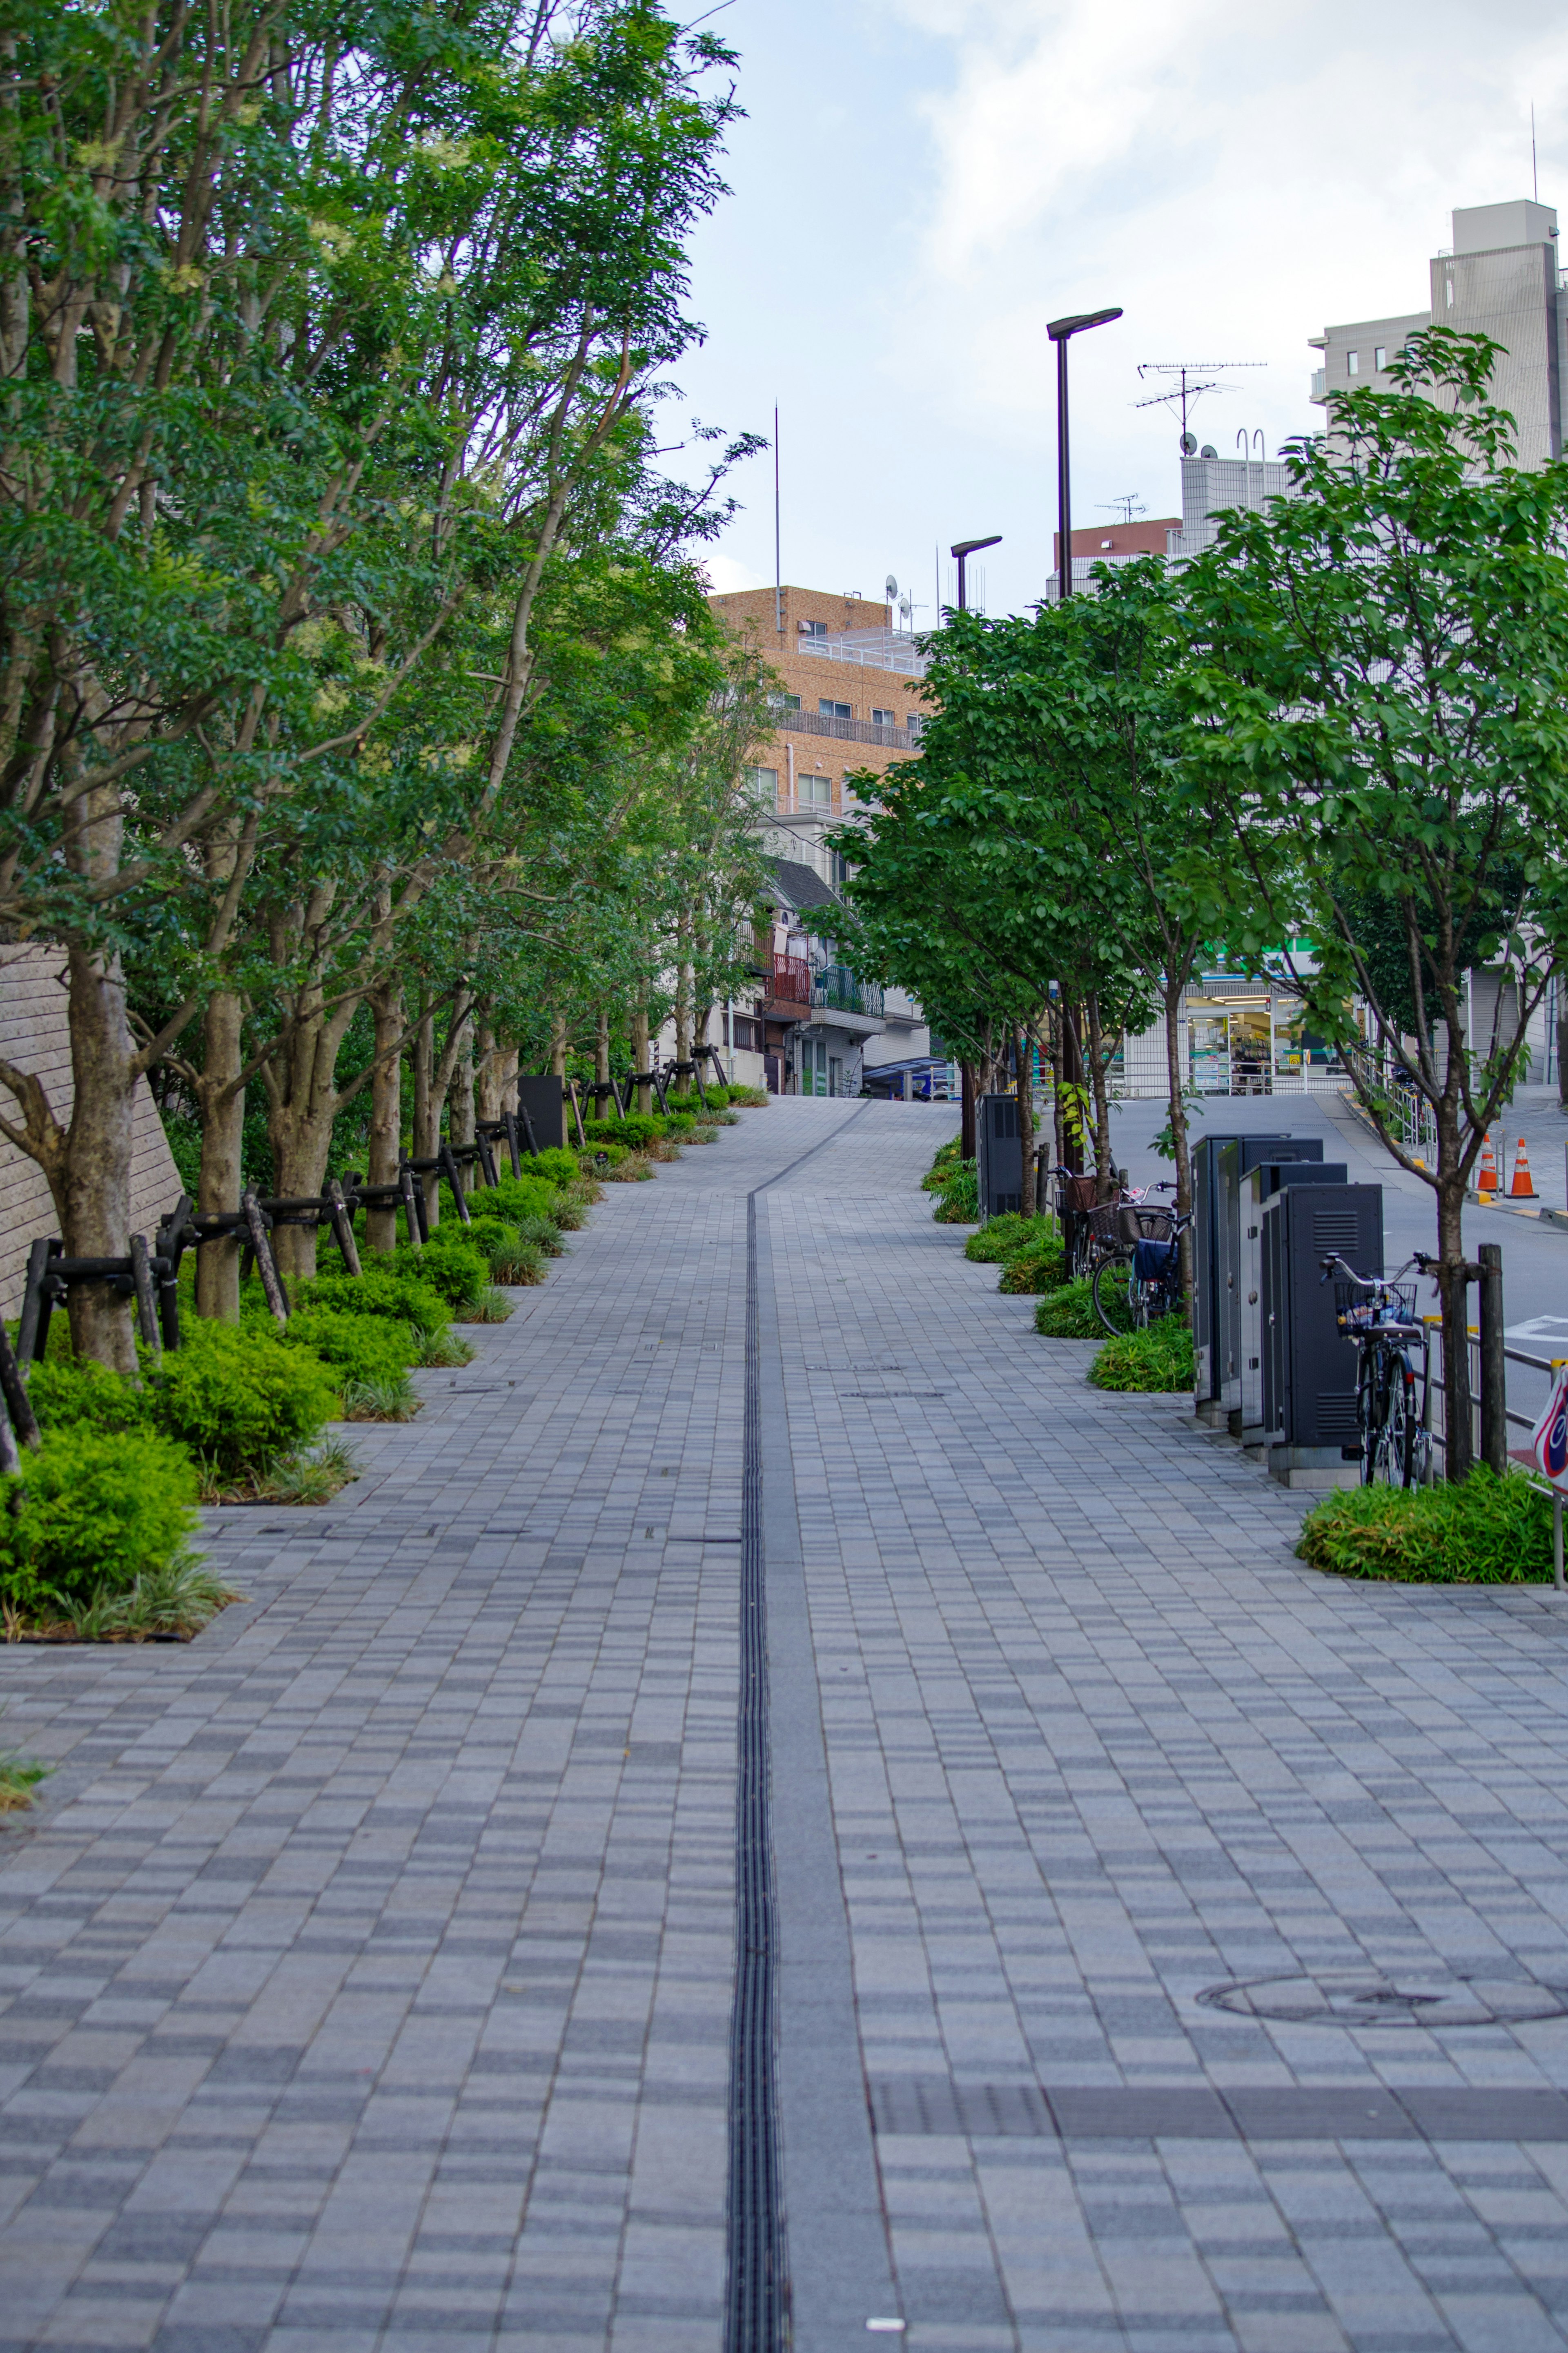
(967, 547)
(1061, 331)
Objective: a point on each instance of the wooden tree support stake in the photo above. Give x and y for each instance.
(20, 1421)
(146, 1306)
(261, 1248)
(414, 1209)
(343, 1228)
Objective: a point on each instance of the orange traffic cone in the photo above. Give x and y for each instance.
(1486, 1183)
(1521, 1189)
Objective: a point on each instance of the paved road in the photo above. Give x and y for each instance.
(368, 1981)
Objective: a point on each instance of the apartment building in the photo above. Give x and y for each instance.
(1500, 277)
(848, 701)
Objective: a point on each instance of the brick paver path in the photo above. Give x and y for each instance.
(367, 1981)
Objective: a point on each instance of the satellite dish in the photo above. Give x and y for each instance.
(893, 587)
(1208, 450)
(1189, 445)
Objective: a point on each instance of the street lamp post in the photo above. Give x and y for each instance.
(1061, 332)
(963, 549)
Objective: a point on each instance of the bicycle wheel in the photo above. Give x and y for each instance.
(1369, 1409)
(1393, 1451)
(1117, 1299)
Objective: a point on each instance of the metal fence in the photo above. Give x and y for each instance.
(836, 989)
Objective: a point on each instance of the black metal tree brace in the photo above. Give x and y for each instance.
(149, 1281)
(186, 1229)
(441, 1163)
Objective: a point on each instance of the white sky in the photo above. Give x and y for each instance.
(921, 184)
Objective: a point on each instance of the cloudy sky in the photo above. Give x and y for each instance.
(921, 184)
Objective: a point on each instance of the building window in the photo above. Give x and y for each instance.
(814, 790)
(1379, 357)
(884, 717)
(813, 628)
(784, 702)
(1448, 293)
(838, 866)
(835, 710)
(762, 783)
(1353, 364)
(747, 1035)
(917, 726)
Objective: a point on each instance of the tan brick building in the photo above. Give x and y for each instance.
(850, 700)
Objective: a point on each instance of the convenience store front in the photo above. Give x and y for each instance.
(1244, 1039)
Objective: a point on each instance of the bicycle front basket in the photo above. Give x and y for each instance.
(1363, 1306)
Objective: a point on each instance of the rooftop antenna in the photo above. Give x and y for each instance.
(778, 565)
(1534, 174)
(1186, 390)
(1128, 506)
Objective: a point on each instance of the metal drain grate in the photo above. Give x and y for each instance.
(1363, 1997)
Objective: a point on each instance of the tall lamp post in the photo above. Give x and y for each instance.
(1061, 332)
(963, 549)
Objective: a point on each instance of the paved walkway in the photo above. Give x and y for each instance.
(367, 1980)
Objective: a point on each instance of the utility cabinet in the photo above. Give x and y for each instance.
(999, 1155)
(1259, 1188)
(1237, 1158)
(1309, 1366)
(544, 1101)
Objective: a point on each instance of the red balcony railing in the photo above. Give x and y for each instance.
(791, 979)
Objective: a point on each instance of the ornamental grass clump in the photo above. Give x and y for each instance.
(1009, 1236)
(1068, 1314)
(1488, 1531)
(958, 1204)
(1042, 1269)
(1158, 1359)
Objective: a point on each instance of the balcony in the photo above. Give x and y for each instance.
(787, 989)
(1319, 387)
(837, 989)
(869, 649)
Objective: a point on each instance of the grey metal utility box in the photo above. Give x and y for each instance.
(1205, 1151)
(544, 1101)
(999, 1153)
(1237, 1157)
(1259, 1188)
(1309, 1366)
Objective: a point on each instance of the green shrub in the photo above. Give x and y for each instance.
(239, 1399)
(363, 1349)
(1158, 1358)
(88, 1513)
(555, 1165)
(384, 1289)
(540, 1234)
(516, 1199)
(1008, 1236)
(748, 1098)
(1067, 1314)
(636, 1132)
(1490, 1531)
(449, 1263)
(75, 1392)
(1037, 1270)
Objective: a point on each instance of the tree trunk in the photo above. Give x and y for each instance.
(558, 1047)
(1071, 1089)
(460, 1096)
(1179, 1139)
(642, 1047)
(1458, 1435)
(302, 1103)
(386, 1111)
(683, 990)
(1023, 1046)
(221, 1104)
(1058, 1113)
(426, 1110)
(1099, 1061)
(967, 1090)
(489, 1075)
(92, 1193)
(602, 1055)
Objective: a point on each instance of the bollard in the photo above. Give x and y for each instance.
(1494, 1368)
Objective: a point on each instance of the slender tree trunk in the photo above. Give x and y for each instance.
(1099, 1061)
(642, 1047)
(558, 1042)
(1458, 1434)
(489, 1074)
(968, 1087)
(602, 1053)
(1025, 1048)
(683, 992)
(427, 1110)
(1058, 1116)
(1179, 1137)
(1072, 1088)
(386, 1111)
(93, 1193)
(221, 1105)
(302, 1104)
(461, 1095)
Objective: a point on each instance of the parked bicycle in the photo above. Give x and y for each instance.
(1138, 1274)
(1379, 1314)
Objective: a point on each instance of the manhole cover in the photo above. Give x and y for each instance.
(1351, 1997)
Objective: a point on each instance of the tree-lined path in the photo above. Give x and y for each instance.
(366, 1979)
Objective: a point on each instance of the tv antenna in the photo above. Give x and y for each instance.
(1188, 388)
(1128, 506)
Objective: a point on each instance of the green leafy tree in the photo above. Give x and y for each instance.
(1380, 728)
